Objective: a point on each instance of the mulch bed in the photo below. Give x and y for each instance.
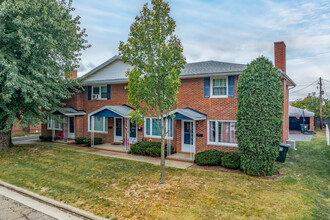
(226, 170)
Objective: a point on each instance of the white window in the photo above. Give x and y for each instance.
(55, 123)
(100, 124)
(221, 133)
(99, 92)
(219, 87)
(152, 127)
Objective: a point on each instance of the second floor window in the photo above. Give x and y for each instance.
(219, 87)
(99, 92)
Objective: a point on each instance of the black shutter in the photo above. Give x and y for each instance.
(231, 86)
(108, 92)
(89, 92)
(207, 87)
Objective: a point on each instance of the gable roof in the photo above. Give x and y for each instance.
(191, 70)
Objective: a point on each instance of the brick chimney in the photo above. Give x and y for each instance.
(74, 74)
(280, 55)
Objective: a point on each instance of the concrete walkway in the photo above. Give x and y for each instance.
(151, 160)
(16, 206)
(298, 136)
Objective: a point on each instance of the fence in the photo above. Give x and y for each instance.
(327, 133)
(317, 122)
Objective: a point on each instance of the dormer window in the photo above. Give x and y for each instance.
(99, 92)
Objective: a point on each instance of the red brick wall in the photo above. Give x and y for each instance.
(285, 126)
(191, 94)
(311, 123)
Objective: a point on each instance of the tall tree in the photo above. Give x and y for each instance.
(259, 117)
(40, 43)
(155, 54)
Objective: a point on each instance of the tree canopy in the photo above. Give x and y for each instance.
(155, 53)
(312, 103)
(259, 117)
(40, 43)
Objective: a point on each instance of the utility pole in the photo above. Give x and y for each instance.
(321, 122)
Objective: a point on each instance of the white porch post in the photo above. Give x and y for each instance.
(191, 139)
(127, 133)
(92, 131)
(168, 137)
(53, 130)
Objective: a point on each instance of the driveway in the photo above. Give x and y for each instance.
(25, 139)
(298, 136)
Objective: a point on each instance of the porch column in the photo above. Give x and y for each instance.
(92, 131)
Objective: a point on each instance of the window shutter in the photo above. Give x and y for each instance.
(231, 86)
(108, 92)
(89, 92)
(207, 87)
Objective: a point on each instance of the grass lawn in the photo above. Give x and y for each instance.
(23, 134)
(113, 187)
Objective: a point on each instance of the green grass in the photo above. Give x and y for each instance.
(126, 189)
(23, 134)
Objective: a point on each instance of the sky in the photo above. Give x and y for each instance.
(224, 30)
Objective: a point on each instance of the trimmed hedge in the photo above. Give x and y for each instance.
(45, 138)
(231, 160)
(80, 140)
(97, 141)
(209, 158)
(259, 117)
(148, 148)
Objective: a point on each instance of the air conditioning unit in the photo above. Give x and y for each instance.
(95, 96)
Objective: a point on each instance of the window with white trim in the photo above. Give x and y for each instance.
(221, 133)
(55, 123)
(152, 127)
(99, 92)
(100, 124)
(219, 87)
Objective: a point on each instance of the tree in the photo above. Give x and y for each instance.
(312, 103)
(259, 117)
(40, 43)
(155, 54)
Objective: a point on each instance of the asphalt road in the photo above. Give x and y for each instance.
(25, 139)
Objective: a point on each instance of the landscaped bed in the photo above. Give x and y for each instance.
(121, 188)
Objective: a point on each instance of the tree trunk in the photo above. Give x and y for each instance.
(5, 140)
(162, 150)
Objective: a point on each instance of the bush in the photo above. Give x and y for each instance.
(45, 138)
(148, 148)
(259, 117)
(96, 141)
(80, 140)
(209, 158)
(231, 160)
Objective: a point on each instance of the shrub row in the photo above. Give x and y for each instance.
(216, 158)
(45, 138)
(152, 149)
(87, 141)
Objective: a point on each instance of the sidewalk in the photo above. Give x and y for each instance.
(145, 159)
(14, 205)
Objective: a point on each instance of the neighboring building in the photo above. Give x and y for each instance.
(30, 129)
(204, 116)
(299, 116)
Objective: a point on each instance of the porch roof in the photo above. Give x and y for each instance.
(112, 111)
(188, 114)
(68, 112)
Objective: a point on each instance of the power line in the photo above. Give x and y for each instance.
(305, 87)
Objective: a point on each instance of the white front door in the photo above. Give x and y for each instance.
(188, 136)
(118, 137)
(71, 128)
(132, 133)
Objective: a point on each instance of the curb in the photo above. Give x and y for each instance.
(52, 202)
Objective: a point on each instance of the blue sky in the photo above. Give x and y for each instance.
(230, 31)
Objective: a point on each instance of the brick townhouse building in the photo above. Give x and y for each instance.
(204, 116)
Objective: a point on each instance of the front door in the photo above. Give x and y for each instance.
(118, 137)
(132, 133)
(71, 128)
(188, 136)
